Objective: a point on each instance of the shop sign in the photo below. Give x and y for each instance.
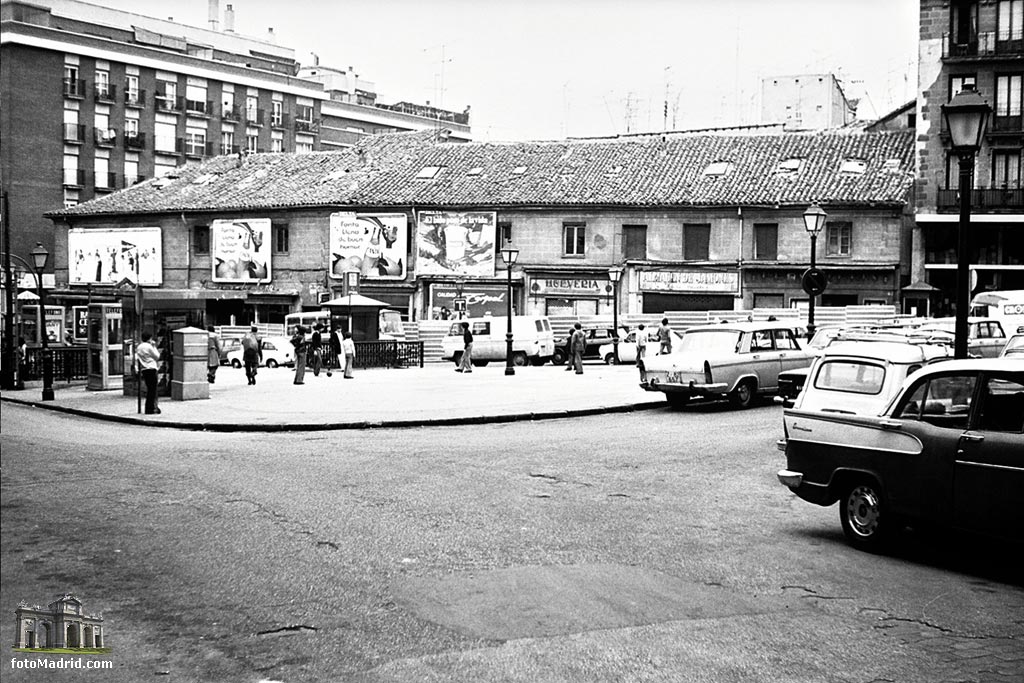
(480, 300)
(690, 281)
(373, 244)
(456, 243)
(107, 256)
(80, 322)
(570, 286)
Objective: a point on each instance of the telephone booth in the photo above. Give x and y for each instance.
(106, 350)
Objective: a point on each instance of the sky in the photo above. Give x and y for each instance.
(550, 69)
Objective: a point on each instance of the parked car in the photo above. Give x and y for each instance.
(985, 336)
(276, 351)
(627, 346)
(945, 452)
(595, 337)
(227, 346)
(725, 360)
(1014, 346)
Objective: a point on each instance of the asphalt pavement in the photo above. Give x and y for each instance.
(404, 397)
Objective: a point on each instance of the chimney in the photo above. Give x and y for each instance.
(270, 34)
(229, 20)
(212, 12)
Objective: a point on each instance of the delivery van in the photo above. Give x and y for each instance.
(1006, 306)
(533, 341)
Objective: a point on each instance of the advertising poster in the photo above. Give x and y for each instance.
(374, 244)
(481, 299)
(456, 243)
(80, 322)
(240, 250)
(108, 256)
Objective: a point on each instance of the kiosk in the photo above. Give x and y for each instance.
(106, 349)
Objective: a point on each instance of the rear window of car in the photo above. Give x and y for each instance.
(850, 376)
(711, 340)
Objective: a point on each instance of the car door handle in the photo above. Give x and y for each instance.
(972, 437)
(890, 424)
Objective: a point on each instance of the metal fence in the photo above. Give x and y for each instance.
(382, 354)
(70, 363)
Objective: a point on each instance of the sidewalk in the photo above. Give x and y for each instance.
(410, 397)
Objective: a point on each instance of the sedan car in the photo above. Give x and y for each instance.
(594, 337)
(737, 361)
(947, 452)
(276, 351)
(985, 336)
(1014, 346)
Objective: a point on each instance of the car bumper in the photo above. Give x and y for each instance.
(813, 493)
(688, 389)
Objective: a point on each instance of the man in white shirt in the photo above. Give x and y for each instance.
(148, 358)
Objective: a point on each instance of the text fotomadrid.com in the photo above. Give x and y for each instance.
(61, 663)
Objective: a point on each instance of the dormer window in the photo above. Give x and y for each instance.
(475, 171)
(519, 170)
(718, 168)
(891, 166)
(854, 166)
(428, 172)
(790, 165)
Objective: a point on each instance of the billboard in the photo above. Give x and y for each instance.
(374, 244)
(456, 243)
(109, 255)
(240, 250)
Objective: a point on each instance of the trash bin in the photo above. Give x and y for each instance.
(188, 364)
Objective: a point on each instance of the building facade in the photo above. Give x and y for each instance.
(980, 43)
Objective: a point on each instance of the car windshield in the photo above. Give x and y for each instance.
(1015, 346)
(709, 340)
(850, 376)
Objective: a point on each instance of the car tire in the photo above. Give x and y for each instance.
(537, 361)
(520, 359)
(744, 394)
(865, 519)
(558, 358)
(271, 363)
(609, 358)
(236, 363)
(480, 363)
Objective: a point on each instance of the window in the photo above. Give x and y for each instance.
(718, 168)
(766, 241)
(280, 238)
(72, 131)
(131, 89)
(963, 18)
(761, 341)
(195, 99)
(574, 239)
(103, 89)
(838, 238)
(201, 239)
(1011, 20)
(101, 168)
(696, 241)
(1002, 406)
(304, 113)
(276, 141)
(276, 113)
(1008, 95)
(855, 377)
(164, 137)
(167, 95)
(251, 107)
(131, 172)
(195, 142)
(504, 233)
(1006, 168)
(71, 173)
(957, 83)
(227, 142)
(131, 127)
(428, 172)
(227, 104)
(252, 139)
(303, 144)
(634, 241)
(72, 86)
(785, 341)
(943, 401)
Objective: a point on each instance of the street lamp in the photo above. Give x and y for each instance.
(459, 304)
(966, 116)
(814, 280)
(509, 256)
(39, 256)
(614, 275)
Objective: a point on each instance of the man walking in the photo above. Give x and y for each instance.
(334, 341)
(349, 348)
(314, 349)
(664, 337)
(148, 358)
(213, 349)
(299, 342)
(578, 342)
(466, 364)
(252, 354)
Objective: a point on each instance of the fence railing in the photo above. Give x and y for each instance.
(70, 363)
(381, 354)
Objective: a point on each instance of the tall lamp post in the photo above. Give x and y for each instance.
(614, 275)
(39, 257)
(966, 116)
(509, 256)
(814, 279)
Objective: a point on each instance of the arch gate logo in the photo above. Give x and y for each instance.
(62, 627)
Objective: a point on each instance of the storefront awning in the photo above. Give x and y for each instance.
(354, 301)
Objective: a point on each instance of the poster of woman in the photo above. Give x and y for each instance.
(108, 256)
(374, 244)
(456, 242)
(240, 250)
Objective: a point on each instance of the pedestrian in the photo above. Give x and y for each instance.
(299, 342)
(334, 341)
(252, 354)
(22, 362)
(578, 341)
(213, 349)
(466, 363)
(349, 348)
(147, 357)
(664, 337)
(314, 352)
(641, 344)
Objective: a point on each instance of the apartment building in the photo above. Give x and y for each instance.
(981, 43)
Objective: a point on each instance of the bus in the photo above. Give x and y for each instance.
(389, 323)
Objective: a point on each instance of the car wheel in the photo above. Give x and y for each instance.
(235, 363)
(537, 361)
(743, 395)
(519, 359)
(609, 358)
(480, 363)
(558, 358)
(271, 363)
(864, 518)
(676, 400)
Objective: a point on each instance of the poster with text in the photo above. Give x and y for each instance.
(110, 255)
(374, 244)
(240, 250)
(455, 243)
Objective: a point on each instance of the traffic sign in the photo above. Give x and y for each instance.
(814, 281)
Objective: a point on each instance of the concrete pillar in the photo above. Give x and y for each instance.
(188, 364)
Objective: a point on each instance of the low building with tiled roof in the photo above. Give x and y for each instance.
(698, 222)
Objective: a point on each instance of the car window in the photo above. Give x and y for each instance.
(455, 330)
(944, 401)
(784, 340)
(710, 340)
(1001, 407)
(539, 325)
(269, 346)
(482, 328)
(761, 341)
(850, 376)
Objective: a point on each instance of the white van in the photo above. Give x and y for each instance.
(532, 340)
(1006, 306)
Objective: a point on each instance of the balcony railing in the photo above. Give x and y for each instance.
(130, 180)
(306, 125)
(105, 92)
(165, 103)
(74, 87)
(1007, 124)
(106, 181)
(230, 114)
(981, 44)
(74, 177)
(135, 98)
(228, 149)
(74, 132)
(198, 107)
(255, 116)
(278, 120)
(984, 199)
(135, 140)
(104, 137)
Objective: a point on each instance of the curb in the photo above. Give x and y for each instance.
(337, 426)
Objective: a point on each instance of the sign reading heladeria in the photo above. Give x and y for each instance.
(109, 255)
(240, 250)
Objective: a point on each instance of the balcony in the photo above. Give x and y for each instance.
(230, 114)
(1007, 124)
(74, 177)
(74, 132)
(278, 120)
(307, 125)
(105, 92)
(130, 180)
(255, 117)
(106, 181)
(104, 137)
(135, 141)
(134, 98)
(226, 148)
(981, 44)
(985, 200)
(171, 104)
(198, 108)
(74, 87)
